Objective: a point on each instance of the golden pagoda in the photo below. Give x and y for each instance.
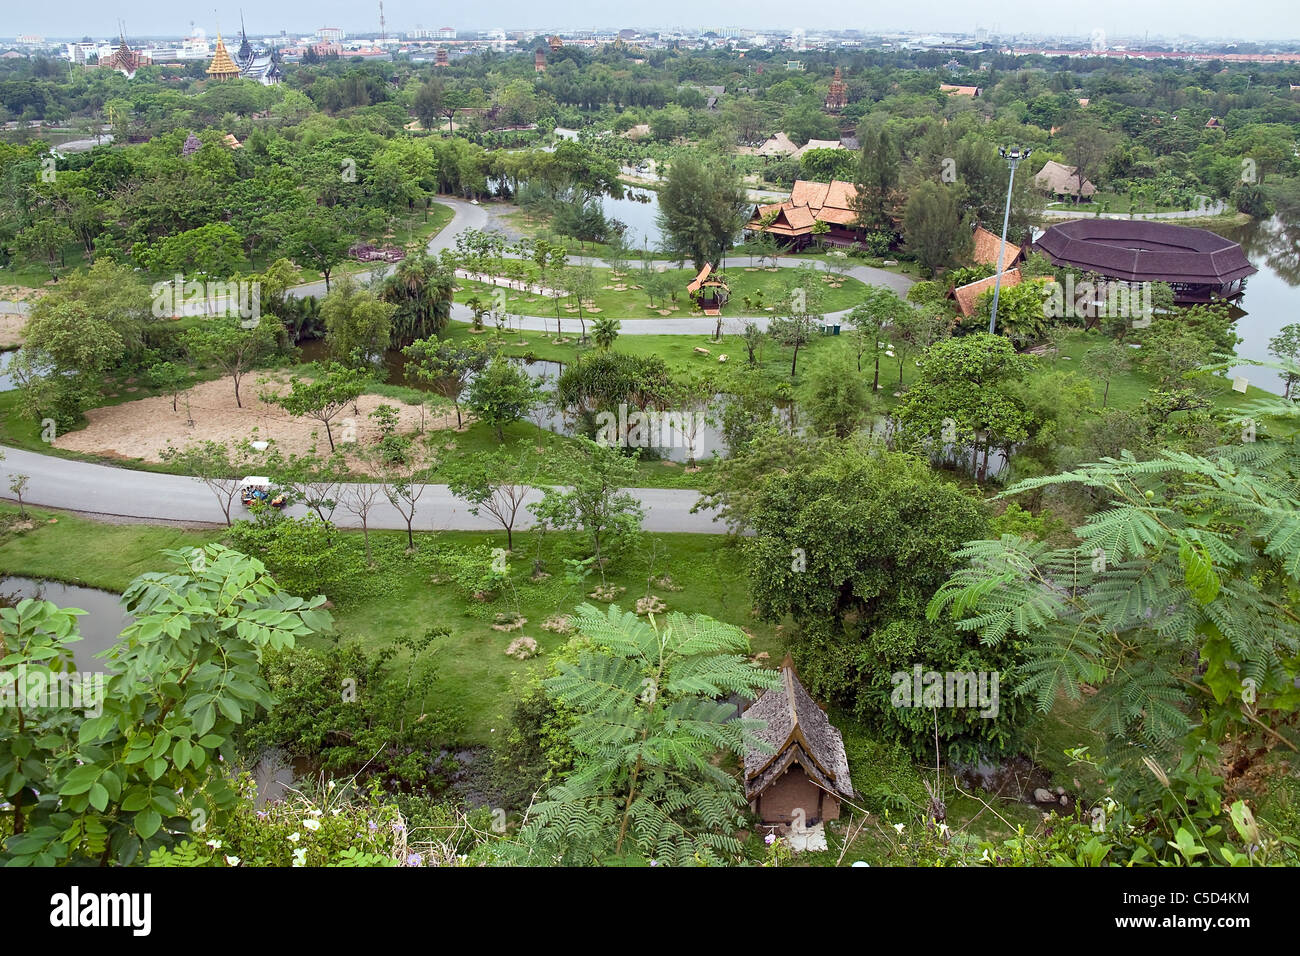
(222, 66)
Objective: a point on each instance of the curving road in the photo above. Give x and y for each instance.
(123, 493)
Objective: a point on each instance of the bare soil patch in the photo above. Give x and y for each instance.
(12, 327)
(141, 429)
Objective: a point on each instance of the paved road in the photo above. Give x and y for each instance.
(149, 496)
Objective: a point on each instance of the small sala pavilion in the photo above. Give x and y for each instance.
(710, 290)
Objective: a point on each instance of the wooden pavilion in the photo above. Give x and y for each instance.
(710, 290)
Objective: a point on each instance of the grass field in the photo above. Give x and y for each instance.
(767, 291)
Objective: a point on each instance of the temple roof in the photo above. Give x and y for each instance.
(797, 731)
(809, 202)
(968, 293)
(222, 65)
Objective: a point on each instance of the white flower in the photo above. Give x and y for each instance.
(215, 844)
(293, 837)
(313, 812)
(898, 827)
(311, 824)
(331, 785)
(943, 829)
(232, 861)
(299, 856)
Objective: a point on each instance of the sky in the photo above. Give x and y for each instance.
(1258, 20)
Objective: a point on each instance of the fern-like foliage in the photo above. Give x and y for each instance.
(1184, 585)
(649, 726)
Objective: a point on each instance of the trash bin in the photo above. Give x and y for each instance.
(836, 330)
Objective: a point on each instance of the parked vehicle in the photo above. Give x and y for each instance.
(256, 488)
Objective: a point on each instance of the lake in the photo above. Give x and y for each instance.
(639, 217)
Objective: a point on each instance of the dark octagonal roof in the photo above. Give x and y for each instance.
(1142, 251)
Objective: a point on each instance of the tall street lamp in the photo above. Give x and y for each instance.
(1013, 156)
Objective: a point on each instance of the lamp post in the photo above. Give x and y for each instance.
(1013, 156)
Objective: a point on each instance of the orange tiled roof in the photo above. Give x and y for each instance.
(968, 293)
(986, 250)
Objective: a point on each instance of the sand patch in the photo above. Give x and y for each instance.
(142, 428)
(12, 327)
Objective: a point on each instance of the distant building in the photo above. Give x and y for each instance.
(125, 60)
(987, 246)
(952, 90)
(222, 66)
(257, 65)
(446, 33)
(555, 43)
(794, 66)
(1199, 265)
(837, 97)
(330, 35)
(539, 61)
(440, 57)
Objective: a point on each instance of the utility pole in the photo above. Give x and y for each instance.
(1013, 156)
(383, 30)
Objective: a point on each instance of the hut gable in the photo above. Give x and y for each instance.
(806, 767)
(1061, 180)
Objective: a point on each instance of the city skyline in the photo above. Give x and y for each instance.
(1270, 20)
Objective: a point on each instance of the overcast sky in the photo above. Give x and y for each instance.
(1258, 19)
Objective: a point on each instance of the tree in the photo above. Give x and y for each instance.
(794, 332)
(1285, 346)
(234, 349)
(594, 501)
(496, 482)
(646, 723)
(880, 308)
(149, 759)
(933, 227)
(852, 546)
(445, 366)
(421, 289)
(17, 486)
(1166, 620)
(405, 476)
(359, 499)
(358, 326)
(45, 239)
(753, 337)
(1087, 142)
(326, 392)
(1105, 361)
(838, 400)
(964, 395)
(502, 393)
(875, 181)
(61, 364)
(317, 237)
(171, 378)
(605, 331)
(702, 207)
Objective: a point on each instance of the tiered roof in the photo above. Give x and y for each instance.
(222, 66)
(798, 732)
(968, 293)
(809, 202)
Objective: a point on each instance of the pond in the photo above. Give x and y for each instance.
(707, 437)
(99, 628)
(1273, 247)
(638, 210)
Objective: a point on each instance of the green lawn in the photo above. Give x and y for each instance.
(773, 286)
